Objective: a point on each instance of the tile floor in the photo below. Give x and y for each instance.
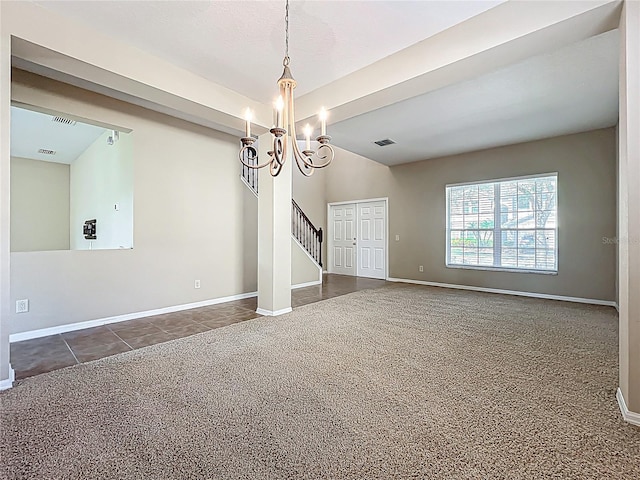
(40, 355)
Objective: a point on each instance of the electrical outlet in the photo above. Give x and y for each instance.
(22, 306)
(421, 268)
(397, 238)
(196, 284)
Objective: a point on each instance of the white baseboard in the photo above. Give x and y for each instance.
(8, 383)
(273, 313)
(44, 332)
(608, 303)
(630, 417)
(306, 284)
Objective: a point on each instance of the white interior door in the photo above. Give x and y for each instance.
(358, 239)
(372, 242)
(342, 241)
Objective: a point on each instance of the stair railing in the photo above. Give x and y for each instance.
(307, 235)
(250, 175)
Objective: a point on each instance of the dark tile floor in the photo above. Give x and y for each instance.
(40, 355)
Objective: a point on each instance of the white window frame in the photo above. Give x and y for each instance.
(497, 230)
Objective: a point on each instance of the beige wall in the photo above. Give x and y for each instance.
(303, 269)
(193, 220)
(586, 166)
(39, 205)
(310, 194)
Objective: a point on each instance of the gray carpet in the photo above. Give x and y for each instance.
(399, 382)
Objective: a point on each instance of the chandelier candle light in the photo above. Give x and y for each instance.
(283, 131)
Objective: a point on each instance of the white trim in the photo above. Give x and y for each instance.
(592, 301)
(324, 271)
(506, 179)
(630, 417)
(273, 313)
(386, 221)
(380, 199)
(501, 269)
(248, 186)
(306, 284)
(8, 383)
(44, 332)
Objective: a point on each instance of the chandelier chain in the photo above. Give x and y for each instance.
(286, 29)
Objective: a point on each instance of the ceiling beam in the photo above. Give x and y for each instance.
(87, 58)
(503, 35)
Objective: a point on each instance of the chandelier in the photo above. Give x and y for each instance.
(283, 131)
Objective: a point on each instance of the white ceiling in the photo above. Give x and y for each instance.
(571, 90)
(240, 44)
(31, 131)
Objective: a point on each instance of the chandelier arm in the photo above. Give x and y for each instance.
(285, 149)
(301, 157)
(247, 149)
(304, 163)
(278, 155)
(305, 168)
(308, 160)
(307, 173)
(330, 154)
(275, 168)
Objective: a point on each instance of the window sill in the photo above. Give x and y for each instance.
(503, 269)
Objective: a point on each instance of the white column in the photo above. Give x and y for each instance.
(6, 374)
(628, 217)
(274, 235)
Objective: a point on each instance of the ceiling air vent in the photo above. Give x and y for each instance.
(64, 121)
(44, 151)
(385, 142)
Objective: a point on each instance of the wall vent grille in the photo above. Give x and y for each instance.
(64, 121)
(385, 142)
(44, 151)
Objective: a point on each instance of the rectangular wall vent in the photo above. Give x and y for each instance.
(385, 142)
(44, 151)
(64, 121)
